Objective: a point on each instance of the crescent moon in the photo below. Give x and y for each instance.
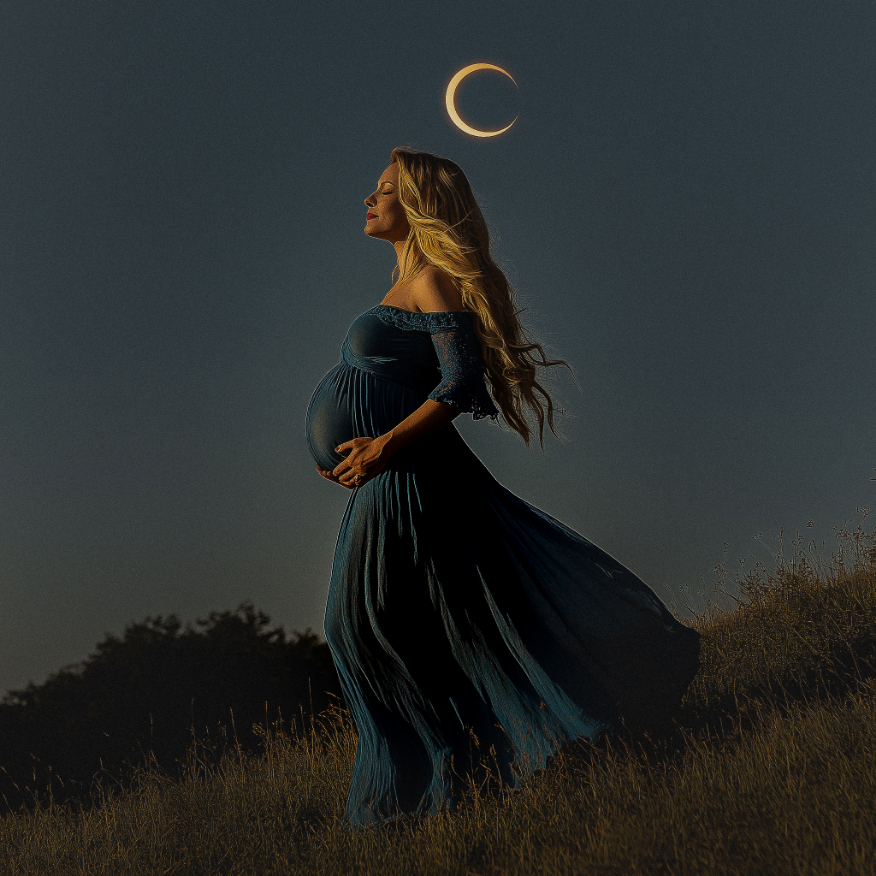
(451, 93)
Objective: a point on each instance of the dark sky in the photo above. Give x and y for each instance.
(686, 204)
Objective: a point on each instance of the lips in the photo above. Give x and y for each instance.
(370, 216)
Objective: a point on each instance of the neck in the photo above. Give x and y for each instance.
(399, 249)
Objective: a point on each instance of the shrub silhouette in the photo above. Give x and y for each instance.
(148, 692)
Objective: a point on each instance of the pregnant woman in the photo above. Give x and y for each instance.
(456, 608)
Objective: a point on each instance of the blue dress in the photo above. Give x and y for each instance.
(457, 610)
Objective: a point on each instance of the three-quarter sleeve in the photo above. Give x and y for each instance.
(462, 370)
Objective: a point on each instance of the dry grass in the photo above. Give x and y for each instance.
(772, 771)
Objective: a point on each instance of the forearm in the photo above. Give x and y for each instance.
(367, 457)
(429, 418)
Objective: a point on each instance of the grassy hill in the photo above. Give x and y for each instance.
(771, 770)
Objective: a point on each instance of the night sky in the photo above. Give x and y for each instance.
(686, 205)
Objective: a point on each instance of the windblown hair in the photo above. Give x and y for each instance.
(448, 231)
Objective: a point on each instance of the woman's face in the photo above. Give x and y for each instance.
(386, 217)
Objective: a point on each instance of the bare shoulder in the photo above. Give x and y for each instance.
(435, 290)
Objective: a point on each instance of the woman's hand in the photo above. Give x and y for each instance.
(370, 456)
(367, 457)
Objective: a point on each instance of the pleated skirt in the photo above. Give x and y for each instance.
(458, 612)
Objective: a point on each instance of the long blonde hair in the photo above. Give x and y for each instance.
(448, 231)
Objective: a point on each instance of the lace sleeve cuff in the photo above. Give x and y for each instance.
(462, 372)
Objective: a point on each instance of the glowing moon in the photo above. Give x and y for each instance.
(451, 93)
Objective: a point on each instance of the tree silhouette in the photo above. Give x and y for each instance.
(149, 690)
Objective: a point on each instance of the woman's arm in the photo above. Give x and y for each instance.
(369, 456)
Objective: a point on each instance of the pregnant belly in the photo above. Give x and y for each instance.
(329, 419)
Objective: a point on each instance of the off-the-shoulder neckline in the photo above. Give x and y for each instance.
(416, 312)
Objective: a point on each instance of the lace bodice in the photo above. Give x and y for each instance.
(391, 361)
(459, 358)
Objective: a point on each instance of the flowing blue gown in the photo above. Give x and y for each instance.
(456, 608)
